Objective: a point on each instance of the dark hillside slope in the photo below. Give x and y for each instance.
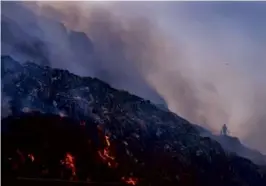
(152, 144)
(234, 145)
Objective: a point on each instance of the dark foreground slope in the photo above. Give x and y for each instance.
(148, 143)
(48, 138)
(35, 144)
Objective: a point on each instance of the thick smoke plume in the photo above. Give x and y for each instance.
(165, 52)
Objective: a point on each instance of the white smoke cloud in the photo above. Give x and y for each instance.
(209, 68)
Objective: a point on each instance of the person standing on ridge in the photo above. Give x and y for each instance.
(224, 130)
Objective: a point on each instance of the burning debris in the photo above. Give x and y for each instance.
(107, 141)
(106, 157)
(69, 163)
(98, 156)
(31, 157)
(130, 180)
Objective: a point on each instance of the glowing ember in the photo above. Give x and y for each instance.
(101, 155)
(69, 158)
(69, 162)
(130, 180)
(31, 157)
(107, 141)
(106, 157)
(106, 154)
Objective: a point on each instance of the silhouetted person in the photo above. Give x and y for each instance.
(224, 130)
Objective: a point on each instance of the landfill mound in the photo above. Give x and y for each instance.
(139, 143)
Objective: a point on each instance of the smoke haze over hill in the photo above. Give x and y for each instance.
(206, 61)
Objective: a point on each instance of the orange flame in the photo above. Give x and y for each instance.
(70, 163)
(106, 156)
(107, 141)
(130, 180)
(105, 153)
(111, 162)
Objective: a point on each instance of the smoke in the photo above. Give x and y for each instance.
(205, 66)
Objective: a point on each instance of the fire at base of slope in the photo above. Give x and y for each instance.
(106, 155)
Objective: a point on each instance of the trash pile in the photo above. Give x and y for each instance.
(138, 143)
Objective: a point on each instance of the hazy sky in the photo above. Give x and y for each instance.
(220, 48)
(206, 60)
(233, 34)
